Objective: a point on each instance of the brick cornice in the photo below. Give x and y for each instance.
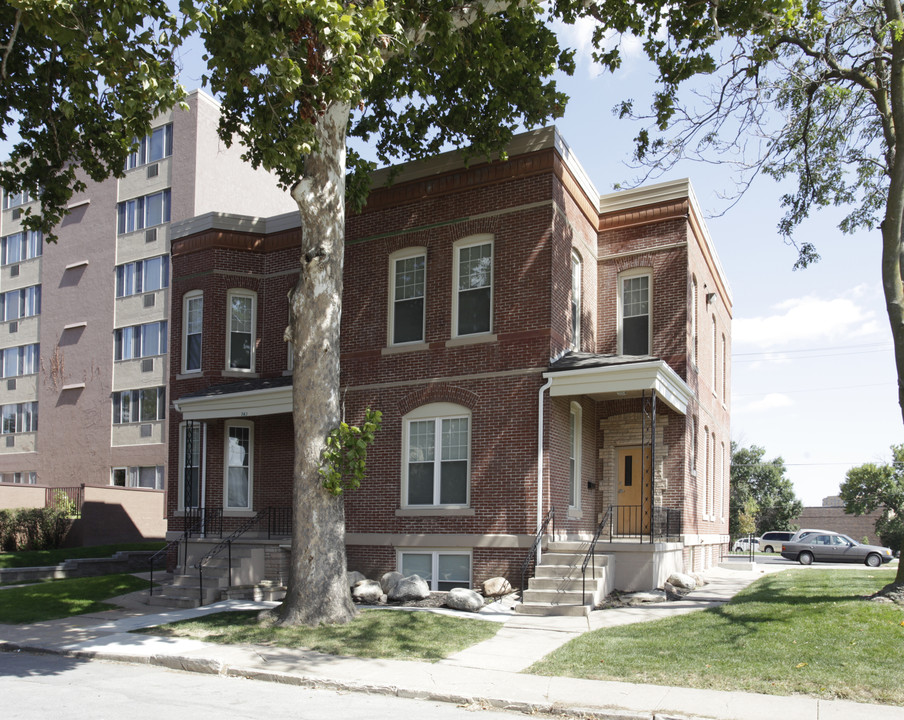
(645, 215)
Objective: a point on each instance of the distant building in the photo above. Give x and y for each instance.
(831, 516)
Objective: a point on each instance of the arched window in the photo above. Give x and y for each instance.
(436, 456)
(635, 317)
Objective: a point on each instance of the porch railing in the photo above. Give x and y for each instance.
(196, 521)
(643, 523)
(590, 557)
(549, 519)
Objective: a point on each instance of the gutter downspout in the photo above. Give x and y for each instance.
(540, 463)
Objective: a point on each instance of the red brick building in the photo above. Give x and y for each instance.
(532, 345)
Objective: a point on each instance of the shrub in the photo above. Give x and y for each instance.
(33, 528)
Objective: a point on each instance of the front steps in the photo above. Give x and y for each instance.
(556, 588)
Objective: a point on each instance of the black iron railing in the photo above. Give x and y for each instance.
(196, 521)
(279, 521)
(590, 557)
(645, 523)
(549, 519)
(67, 499)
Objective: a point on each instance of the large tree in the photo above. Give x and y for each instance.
(295, 78)
(806, 91)
(78, 83)
(870, 487)
(760, 485)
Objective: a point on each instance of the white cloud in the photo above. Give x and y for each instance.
(580, 37)
(807, 319)
(770, 401)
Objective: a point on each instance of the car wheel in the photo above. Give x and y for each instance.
(873, 560)
(805, 558)
(768, 548)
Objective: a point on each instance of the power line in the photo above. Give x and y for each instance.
(882, 345)
(833, 388)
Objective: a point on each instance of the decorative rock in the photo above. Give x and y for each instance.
(639, 598)
(680, 580)
(390, 580)
(496, 587)
(673, 593)
(464, 599)
(353, 577)
(412, 587)
(368, 591)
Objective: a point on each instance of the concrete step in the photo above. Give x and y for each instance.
(212, 579)
(557, 583)
(566, 571)
(559, 597)
(166, 601)
(262, 591)
(545, 609)
(562, 558)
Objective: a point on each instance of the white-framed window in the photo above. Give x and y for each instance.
(135, 406)
(140, 476)
(724, 369)
(20, 360)
(705, 483)
(472, 299)
(154, 146)
(574, 455)
(576, 282)
(192, 330)
(11, 200)
(442, 569)
(138, 341)
(21, 246)
(142, 212)
(241, 326)
(142, 276)
(436, 447)
(21, 303)
(407, 288)
(712, 479)
(694, 300)
(191, 471)
(239, 465)
(18, 418)
(715, 357)
(635, 312)
(20, 478)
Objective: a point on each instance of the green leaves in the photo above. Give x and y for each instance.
(344, 459)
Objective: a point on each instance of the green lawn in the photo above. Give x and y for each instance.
(796, 632)
(396, 634)
(42, 558)
(64, 598)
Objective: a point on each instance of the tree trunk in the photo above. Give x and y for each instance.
(317, 589)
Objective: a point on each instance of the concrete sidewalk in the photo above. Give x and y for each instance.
(487, 673)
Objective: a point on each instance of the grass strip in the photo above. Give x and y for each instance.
(393, 634)
(64, 598)
(42, 558)
(796, 632)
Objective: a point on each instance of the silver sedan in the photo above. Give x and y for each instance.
(834, 547)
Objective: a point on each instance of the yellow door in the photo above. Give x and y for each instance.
(634, 494)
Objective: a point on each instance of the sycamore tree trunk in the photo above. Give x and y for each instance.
(317, 591)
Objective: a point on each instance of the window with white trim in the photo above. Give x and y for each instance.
(21, 246)
(20, 360)
(715, 353)
(240, 326)
(11, 200)
(142, 276)
(575, 301)
(408, 283)
(136, 406)
(574, 459)
(138, 341)
(694, 300)
(21, 303)
(443, 570)
(156, 145)
(142, 212)
(193, 328)
(191, 437)
(139, 476)
(437, 456)
(634, 309)
(239, 465)
(724, 369)
(705, 483)
(18, 418)
(472, 310)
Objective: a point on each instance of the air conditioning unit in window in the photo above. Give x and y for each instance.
(150, 300)
(153, 171)
(17, 213)
(14, 271)
(150, 235)
(146, 430)
(11, 384)
(147, 365)
(14, 327)
(10, 441)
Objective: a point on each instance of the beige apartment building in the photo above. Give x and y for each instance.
(84, 323)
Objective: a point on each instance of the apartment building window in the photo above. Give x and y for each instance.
(11, 200)
(152, 147)
(408, 290)
(18, 418)
(437, 452)
(20, 360)
(145, 211)
(634, 313)
(443, 570)
(142, 276)
(574, 455)
(241, 325)
(20, 478)
(239, 448)
(193, 322)
(139, 341)
(472, 311)
(575, 301)
(21, 246)
(144, 476)
(134, 406)
(21, 303)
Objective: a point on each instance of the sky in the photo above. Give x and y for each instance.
(812, 378)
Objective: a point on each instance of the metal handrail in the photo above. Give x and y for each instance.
(538, 538)
(197, 521)
(591, 553)
(227, 543)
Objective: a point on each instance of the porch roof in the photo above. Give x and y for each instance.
(611, 377)
(259, 396)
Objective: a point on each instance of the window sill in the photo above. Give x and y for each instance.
(410, 347)
(240, 373)
(574, 513)
(189, 375)
(239, 513)
(471, 339)
(447, 512)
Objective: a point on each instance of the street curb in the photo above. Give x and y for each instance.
(210, 666)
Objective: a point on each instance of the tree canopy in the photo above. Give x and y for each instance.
(759, 488)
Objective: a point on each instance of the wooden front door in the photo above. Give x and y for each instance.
(634, 493)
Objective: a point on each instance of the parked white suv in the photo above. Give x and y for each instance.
(771, 542)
